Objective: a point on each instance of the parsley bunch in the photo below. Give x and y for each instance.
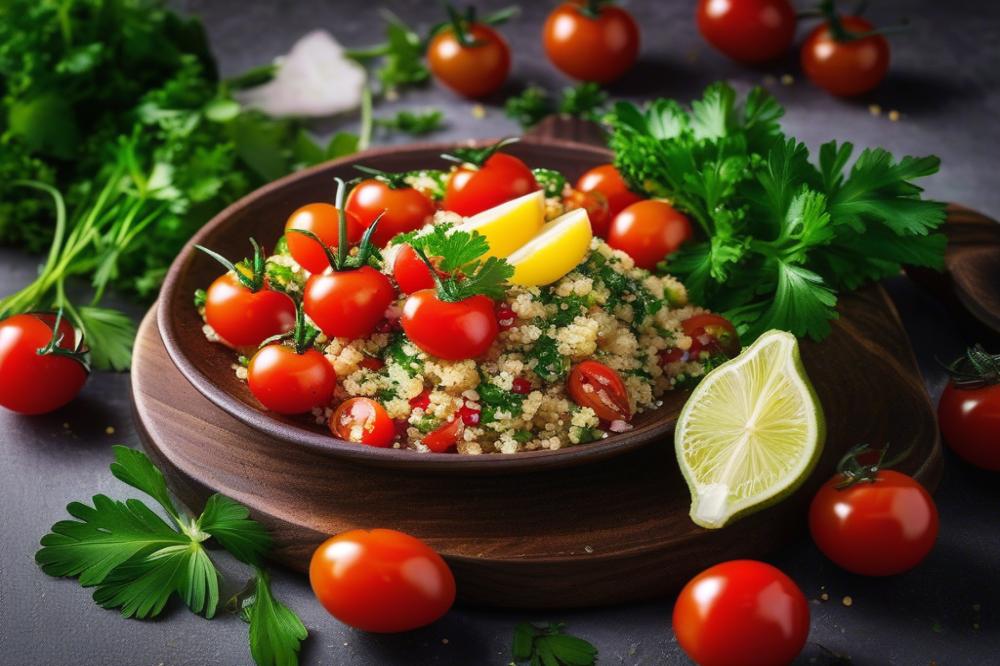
(780, 235)
(136, 561)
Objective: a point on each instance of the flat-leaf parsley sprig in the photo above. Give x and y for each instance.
(550, 646)
(780, 235)
(137, 561)
(458, 268)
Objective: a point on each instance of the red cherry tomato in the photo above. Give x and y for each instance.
(502, 177)
(290, 383)
(245, 318)
(591, 48)
(750, 31)
(451, 331)
(596, 205)
(473, 70)
(606, 180)
(381, 581)
(648, 231)
(444, 437)
(348, 304)
(709, 333)
(321, 219)
(595, 385)
(874, 528)
(741, 612)
(364, 421)
(970, 421)
(410, 271)
(402, 208)
(33, 383)
(372, 363)
(846, 68)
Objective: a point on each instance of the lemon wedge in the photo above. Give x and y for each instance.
(556, 250)
(750, 433)
(509, 225)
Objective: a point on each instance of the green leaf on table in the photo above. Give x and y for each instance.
(550, 646)
(134, 467)
(110, 335)
(276, 633)
(230, 524)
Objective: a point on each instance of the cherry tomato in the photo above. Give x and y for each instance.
(846, 68)
(245, 318)
(709, 333)
(648, 231)
(606, 180)
(475, 69)
(348, 304)
(33, 382)
(444, 437)
(591, 41)
(451, 331)
(750, 31)
(372, 363)
(595, 385)
(472, 189)
(741, 612)
(290, 383)
(970, 421)
(323, 220)
(596, 205)
(381, 580)
(364, 421)
(402, 208)
(874, 528)
(410, 271)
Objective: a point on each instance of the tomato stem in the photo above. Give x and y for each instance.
(976, 369)
(395, 181)
(828, 10)
(255, 281)
(53, 348)
(855, 469)
(343, 261)
(478, 156)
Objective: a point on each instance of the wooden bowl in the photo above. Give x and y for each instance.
(262, 215)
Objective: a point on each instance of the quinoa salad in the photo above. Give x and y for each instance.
(560, 342)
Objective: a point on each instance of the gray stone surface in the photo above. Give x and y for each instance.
(944, 84)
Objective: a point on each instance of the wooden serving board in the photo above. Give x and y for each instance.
(602, 533)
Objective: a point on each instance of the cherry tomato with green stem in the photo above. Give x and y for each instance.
(43, 364)
(292, 378)
(741, 612)
(350, 300)
(381, 581)
(606, 180)
(591, 40)
(485, 178)
(386, 197)
(648, 231)
(749, 31)
(845, 56)
(969, 410)
(322, 220)
(467, 56)
(240, 307)
(364, 421)
(873, 521)
(595, 385)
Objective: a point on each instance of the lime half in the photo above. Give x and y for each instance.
(750, 433)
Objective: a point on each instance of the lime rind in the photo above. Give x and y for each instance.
(751, 432)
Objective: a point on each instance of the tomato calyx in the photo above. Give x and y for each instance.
(249, 272)
(839, 32)
(78, 352)
(394, 181)
(343, 260)
(592, 8)
(302, 335)
(862, 464)
(476, 157)
(977, 369)
(461, 22)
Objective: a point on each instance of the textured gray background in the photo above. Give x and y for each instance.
(943, 82)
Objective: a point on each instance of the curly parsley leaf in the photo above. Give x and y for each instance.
(416, 123)
(529, 107)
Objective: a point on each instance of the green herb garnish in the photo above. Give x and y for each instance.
(550, 646)
(137, 561)
(781, 236)
(416, 123)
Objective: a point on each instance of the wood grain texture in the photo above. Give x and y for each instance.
(603, 533)
(972, 261)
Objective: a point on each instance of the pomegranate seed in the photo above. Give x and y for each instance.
(401, 426)
(505, 317)
(372, 363)
(521, 385)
